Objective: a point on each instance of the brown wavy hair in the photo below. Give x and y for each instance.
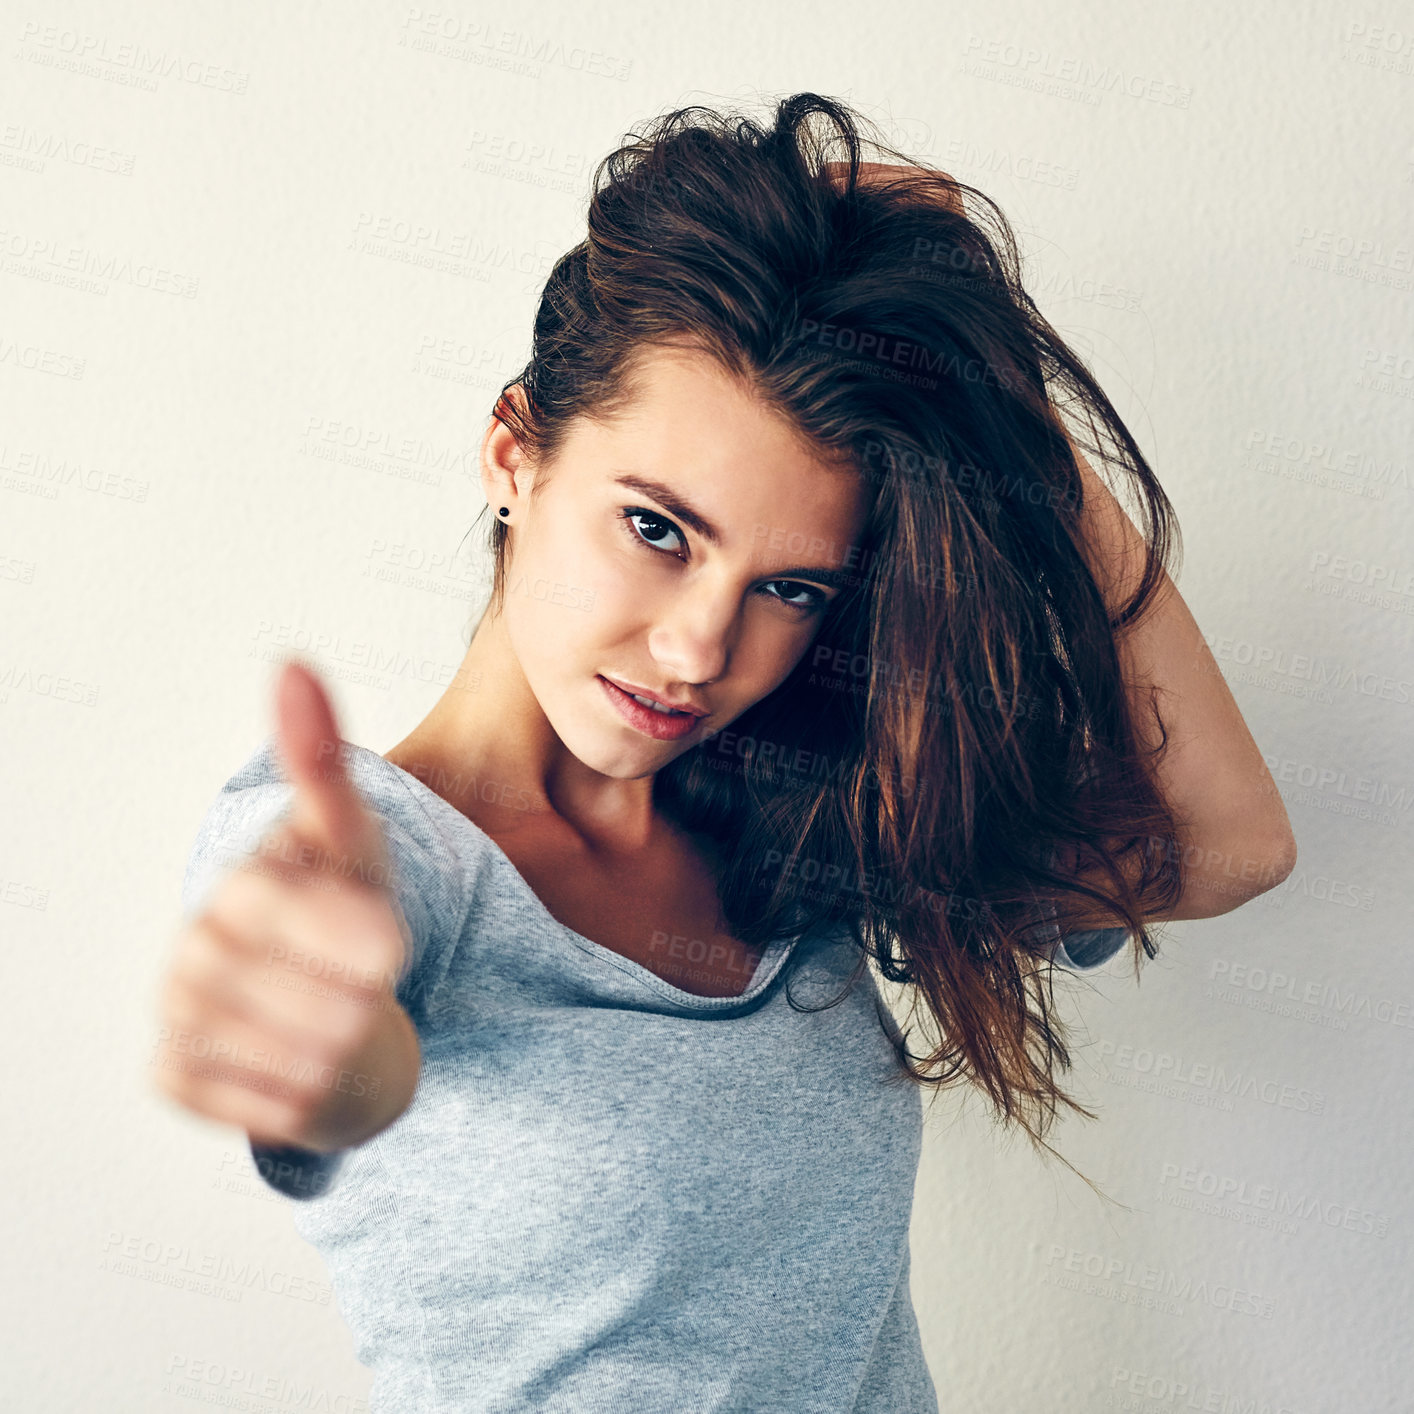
(958, 741)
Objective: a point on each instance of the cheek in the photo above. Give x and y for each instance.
(621, 585)
(555, 595)
(767, 654)
(552, 617)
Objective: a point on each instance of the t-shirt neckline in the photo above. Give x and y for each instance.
(770, 962)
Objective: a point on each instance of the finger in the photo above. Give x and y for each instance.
(207, 1056)
(342, 934)
(210, 993)
(210, 1060)
(301, 1003)
(328, 809)
(267, 1118)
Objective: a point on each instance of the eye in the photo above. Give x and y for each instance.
(630, 514)
(815, 601)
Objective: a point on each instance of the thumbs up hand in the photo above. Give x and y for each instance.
(279, 1012)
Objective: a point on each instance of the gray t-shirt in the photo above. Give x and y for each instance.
(608, 1193)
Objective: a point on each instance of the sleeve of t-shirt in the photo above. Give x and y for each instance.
(423, 886)
(1081, 950)
(1089, 948)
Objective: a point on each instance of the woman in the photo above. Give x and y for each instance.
(812, 637)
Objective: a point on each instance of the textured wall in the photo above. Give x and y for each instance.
(262, 268)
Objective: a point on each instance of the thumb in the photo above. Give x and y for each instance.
(328, 810)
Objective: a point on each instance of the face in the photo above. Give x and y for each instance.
(703, 588)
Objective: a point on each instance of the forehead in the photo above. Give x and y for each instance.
(689, 422)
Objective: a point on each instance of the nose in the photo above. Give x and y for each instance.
(693, 633)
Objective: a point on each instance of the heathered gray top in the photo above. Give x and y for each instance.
(608, 1193)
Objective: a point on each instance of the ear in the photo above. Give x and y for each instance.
(503, 462)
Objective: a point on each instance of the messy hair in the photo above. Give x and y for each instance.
(967, 738)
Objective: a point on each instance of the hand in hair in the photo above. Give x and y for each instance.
(874, 174)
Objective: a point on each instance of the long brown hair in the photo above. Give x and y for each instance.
(958, 740)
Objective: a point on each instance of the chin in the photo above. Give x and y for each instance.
(616, 756)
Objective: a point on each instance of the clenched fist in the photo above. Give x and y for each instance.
(279, 1011)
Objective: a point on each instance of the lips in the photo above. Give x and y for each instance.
(661, 726)
(634, 690)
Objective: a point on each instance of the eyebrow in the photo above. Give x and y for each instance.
(692, 517)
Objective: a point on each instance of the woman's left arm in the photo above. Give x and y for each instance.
(1236, 837)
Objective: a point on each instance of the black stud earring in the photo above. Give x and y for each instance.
(505, 510)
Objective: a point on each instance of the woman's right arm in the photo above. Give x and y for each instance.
(317, 1068)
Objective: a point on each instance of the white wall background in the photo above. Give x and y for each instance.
(1217, 205)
